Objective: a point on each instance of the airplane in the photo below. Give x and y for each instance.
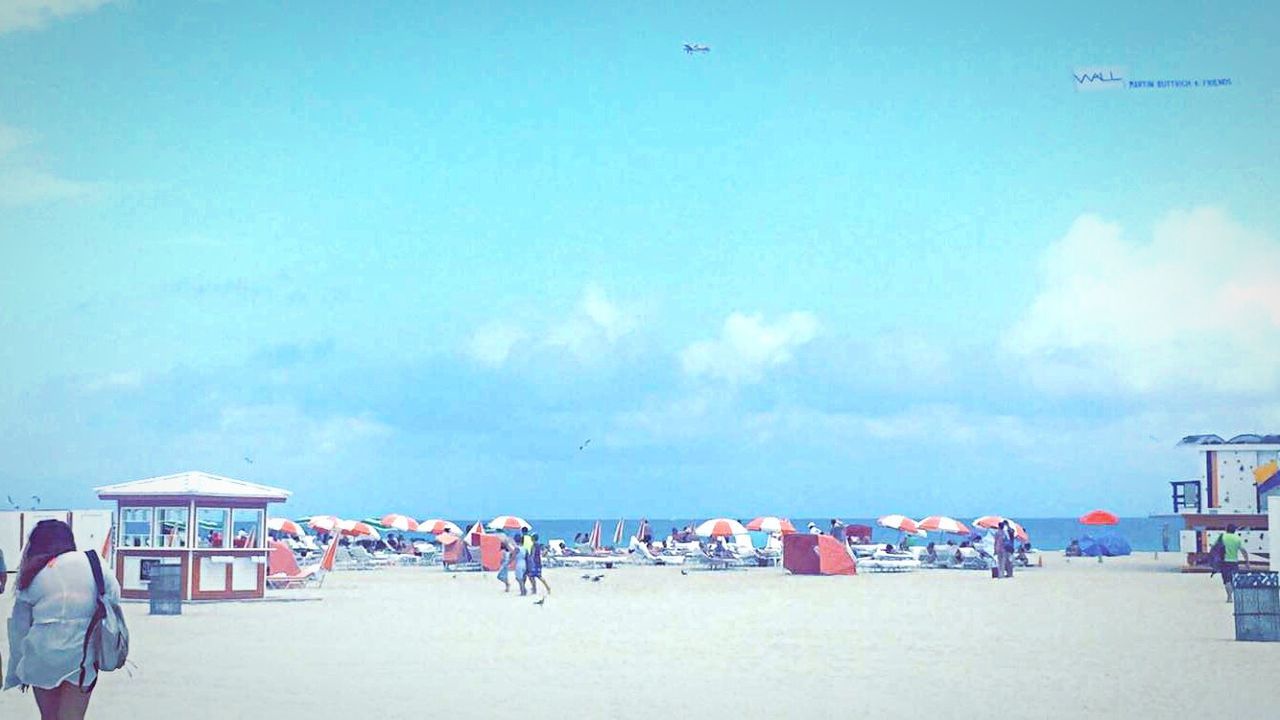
(691, 48)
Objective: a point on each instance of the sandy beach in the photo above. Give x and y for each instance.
(1130, 637)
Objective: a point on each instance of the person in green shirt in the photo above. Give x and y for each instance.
(1232, 548)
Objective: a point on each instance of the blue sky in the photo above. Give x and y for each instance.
(854, 260)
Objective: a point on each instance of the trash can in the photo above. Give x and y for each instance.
(1257, 606)
(165, 590)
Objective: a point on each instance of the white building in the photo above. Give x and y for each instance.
(1237, 479)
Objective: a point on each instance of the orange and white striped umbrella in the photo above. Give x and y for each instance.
(720, 527)
(509, 522)
(942, 523)
(436, 527)
(992, 522)
(355, 528)
(899, 522)
(771, 524)
(403, 523)
(323, 523)
(286, 526)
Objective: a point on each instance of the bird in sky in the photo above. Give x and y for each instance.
(37, 501)
(248, 460)
(584, 445)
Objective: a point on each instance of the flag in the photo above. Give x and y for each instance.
(105, 553)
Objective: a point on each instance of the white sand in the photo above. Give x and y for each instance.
(1129, 638)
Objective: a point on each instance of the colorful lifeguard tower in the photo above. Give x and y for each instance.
(1238, 479)
(214, 527)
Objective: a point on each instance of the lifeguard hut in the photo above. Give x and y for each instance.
(214, 527)
(1238, 479)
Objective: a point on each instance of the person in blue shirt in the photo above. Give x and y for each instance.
(533, 569)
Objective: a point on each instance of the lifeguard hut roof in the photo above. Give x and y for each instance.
(193, 483)
(1246, 439)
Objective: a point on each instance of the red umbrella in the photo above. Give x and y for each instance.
(1099, 517)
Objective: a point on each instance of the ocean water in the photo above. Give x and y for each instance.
(1045, 533)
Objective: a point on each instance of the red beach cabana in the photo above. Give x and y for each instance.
(214, 527)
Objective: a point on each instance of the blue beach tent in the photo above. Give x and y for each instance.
(1106, 545)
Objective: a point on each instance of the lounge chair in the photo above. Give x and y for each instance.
(366, 561)
(642, 555)
(702, 561)
(283, 571)
(888, 562)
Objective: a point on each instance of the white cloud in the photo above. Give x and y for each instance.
(288, 430)
(34, 14)
(23, 184)
(28, 186)
(115, 381)
(748, 347)
(493, 343)
(596, 325)
(1197, 307)
(930, 424)
(11, 139)
(594, 328)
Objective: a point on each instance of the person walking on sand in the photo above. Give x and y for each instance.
(1232, 549)
(534, 567)
(522, 556)
(1009, 541)
(506, 548)
(57, 600)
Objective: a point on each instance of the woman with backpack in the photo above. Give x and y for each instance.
(54, 613)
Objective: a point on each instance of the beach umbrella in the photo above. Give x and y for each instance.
(1099, 517)
(992, 522)
(323, 523)
(617, 533)
(436, 527)
(942, 523)
(770, 524)
(355, 528)
(509, 522)
(720, 527)
(284, 525)
(403, 523)
(899, 522)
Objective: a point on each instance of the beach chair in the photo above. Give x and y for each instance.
(366, 561)
(973, 560)
(702, 561)
(283, 571)
(890, 562)
(642, 555)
